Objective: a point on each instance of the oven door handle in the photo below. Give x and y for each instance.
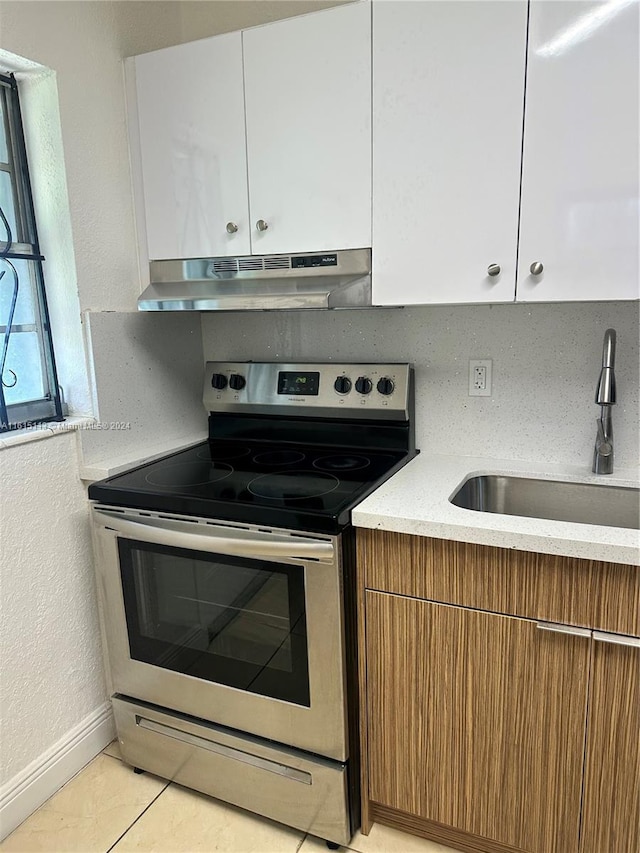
(255, 545)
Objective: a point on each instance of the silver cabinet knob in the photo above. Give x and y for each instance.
(536, 268)
(231, 227)
(493, 269)
(261, 225)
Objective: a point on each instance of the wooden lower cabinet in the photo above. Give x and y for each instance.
(482, 731)
(611, 813)
(476, 721)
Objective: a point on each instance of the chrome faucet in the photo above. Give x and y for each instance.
(605, 398)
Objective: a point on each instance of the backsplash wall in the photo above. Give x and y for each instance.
(148, 380)
(546, 363)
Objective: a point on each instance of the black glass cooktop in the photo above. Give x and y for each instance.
(290, 486)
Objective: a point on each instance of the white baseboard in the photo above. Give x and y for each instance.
(28, 790)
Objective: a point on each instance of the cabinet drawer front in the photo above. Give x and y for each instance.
(522, 583)
(476, 721)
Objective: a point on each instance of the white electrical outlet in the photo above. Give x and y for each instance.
(480, 377)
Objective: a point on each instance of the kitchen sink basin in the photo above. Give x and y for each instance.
(586, 503)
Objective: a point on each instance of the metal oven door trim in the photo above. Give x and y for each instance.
(214, 539)
(320, 728)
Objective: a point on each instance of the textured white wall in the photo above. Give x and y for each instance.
(149, 373)
(52, 675)
(546, 363)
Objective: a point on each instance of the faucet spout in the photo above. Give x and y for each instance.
(605, 398)
(606, 390)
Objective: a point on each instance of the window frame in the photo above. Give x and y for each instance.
(24, 246)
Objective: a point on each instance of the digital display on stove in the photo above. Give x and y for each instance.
(300, 384)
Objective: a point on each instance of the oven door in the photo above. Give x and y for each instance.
(234, 624)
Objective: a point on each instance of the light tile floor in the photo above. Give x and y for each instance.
(107, 807)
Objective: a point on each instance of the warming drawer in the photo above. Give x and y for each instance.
(283, 784)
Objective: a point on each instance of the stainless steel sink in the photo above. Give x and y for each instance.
(586, 503)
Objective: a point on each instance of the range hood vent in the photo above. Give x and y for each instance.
(340, 279)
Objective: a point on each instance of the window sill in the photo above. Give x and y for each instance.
(42, 431)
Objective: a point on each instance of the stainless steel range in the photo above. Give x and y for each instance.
(226, 581)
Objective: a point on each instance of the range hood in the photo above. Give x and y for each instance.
(340, 279)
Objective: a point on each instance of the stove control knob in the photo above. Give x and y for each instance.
(385, 386)
(363, 385)
(342, 385)
(218, 381)
(237, 382)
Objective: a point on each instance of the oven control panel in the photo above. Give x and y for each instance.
(367, 391)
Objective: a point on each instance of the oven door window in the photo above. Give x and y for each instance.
(230, 620)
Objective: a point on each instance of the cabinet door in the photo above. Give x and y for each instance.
(448, 92)
(308, 100)
(192, 144)
(580, 168)
(611, 811)
(476, 721)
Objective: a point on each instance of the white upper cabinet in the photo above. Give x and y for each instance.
(302, 163)
(448, 92)
(580, 171)
(308, 105)
(190, 106)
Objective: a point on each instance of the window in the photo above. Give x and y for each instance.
(29, 391)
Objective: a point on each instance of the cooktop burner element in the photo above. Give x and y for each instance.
(293, 485)
(296, 447)
(341, 463)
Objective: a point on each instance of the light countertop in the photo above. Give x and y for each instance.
(416, 501)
